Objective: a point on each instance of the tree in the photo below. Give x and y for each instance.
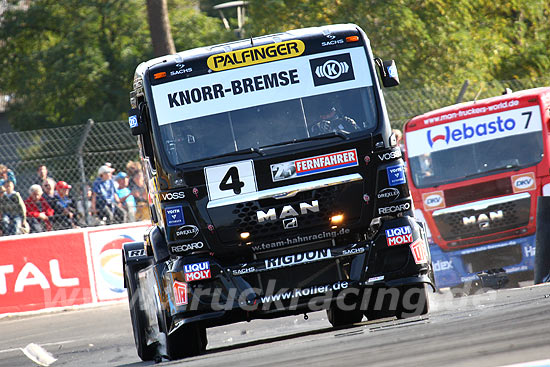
(65, 61)
(435, 42)
(159, 26)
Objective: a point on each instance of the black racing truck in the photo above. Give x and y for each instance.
(276, 189)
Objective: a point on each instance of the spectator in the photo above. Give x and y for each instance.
(137, 186)
(105, 202)
(2, 191)
(42, 175)
(65, 208)
(48, 189)
(13, 210)
(7, 174)
(125, 195)
(84, 209)
(132, 167)
(39, 211)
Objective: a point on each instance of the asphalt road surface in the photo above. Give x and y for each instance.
(492, 329)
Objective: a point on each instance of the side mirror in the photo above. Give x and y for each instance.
(137, 125)
(388, 72)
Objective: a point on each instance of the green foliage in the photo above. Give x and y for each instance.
(65, 61)
(436, 43)
(191, 28)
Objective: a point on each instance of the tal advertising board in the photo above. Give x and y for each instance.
(43, 271)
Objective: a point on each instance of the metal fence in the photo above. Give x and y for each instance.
(403, 104)
(74, 153)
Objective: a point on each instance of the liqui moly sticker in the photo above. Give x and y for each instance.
(197, 271)
(524, 182)
(399, 235)
(314, 165)
(180, 293)
(419, 251)
(433, 200)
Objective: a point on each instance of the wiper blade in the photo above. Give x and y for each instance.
(319, 137)
(228, 154)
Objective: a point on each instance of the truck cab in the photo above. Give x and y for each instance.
(274, 180)
(476, 170)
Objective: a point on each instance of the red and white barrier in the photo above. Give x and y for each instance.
(64, 268)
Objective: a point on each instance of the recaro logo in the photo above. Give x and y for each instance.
(465, 132)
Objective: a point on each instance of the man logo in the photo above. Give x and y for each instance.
(483, 220)
(287, 211)
(290, 223)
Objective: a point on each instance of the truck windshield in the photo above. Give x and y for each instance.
(476, 160)
(351, 111)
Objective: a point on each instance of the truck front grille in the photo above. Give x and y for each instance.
(484, 217)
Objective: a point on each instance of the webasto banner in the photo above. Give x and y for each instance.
(474, 130)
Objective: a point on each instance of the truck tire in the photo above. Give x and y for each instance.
(542, 241)
(186, 341)
(146, 352)
(338, 317)
(401, 302)
(382, 303)
(413, 301)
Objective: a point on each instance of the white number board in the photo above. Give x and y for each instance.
(230, 179)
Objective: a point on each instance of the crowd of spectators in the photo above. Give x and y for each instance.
(50, 204)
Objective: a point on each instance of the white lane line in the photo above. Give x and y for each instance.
(541, 363)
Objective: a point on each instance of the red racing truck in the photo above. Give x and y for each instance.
(476, 170)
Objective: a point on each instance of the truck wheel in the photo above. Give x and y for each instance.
(383, 303)
(187, 341)
(338, 317)
(413, 301)
(401, 302)
(146, 352)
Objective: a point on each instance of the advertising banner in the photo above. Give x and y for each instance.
(64, 268)
(43, 271)
(105, 246)
(269, 82)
